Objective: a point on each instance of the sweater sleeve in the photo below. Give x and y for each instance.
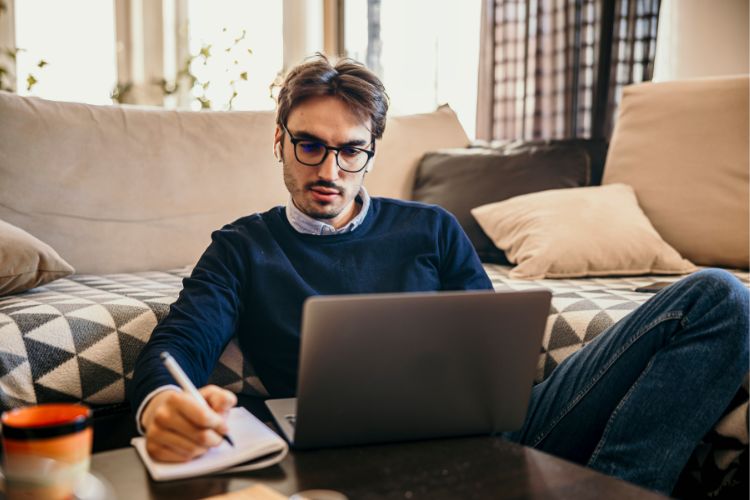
(460, 268)
(200, 323)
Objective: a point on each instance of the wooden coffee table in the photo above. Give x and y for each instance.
(457, 468)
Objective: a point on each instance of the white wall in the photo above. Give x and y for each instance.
(699, 38)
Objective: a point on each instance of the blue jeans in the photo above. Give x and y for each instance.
(635, 401)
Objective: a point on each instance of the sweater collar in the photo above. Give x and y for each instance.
(303, 223)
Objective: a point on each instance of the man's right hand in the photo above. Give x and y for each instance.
(179, 429)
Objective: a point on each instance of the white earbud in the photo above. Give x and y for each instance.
(277, 151)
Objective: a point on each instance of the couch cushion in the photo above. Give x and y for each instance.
(461, 179)
(26, 262)
(407, 138)
(119, 189)
(589, 231)
(683, 146)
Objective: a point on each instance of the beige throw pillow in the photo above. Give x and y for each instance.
(568, 233)
(683, 147)
(406, 139)
(26, 262)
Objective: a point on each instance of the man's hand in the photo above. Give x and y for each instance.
(179, 429)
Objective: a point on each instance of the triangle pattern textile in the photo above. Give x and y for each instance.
(7, 401)
(95, 377)
(87, 333)
(598, 324)
(45, 358)
(11, 340)
(563, 335)
(12, 307)
(69, 307)
(130, 347)
(224, 376)
(65, 379)
(106, 352)
(55, 333)
(46, 394)
(141, 325)
(30, 322)
(124, 314)
(579, 321)
(95, 313)
(113, 392)
(14, 384)
(9, 362)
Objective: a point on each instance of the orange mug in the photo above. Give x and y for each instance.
(46, 450)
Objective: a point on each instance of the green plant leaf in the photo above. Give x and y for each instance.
(12, 52)
(241, 37)
(243, 75)
(42, 63)
(30, 82)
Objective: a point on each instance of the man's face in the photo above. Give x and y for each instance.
(324, 191)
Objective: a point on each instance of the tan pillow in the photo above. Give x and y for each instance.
(683, 146)
(568, 233)
(406, 139)
(26, 262)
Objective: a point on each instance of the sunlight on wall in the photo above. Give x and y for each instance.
(77, 40)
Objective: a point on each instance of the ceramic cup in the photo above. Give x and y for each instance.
(46, 450)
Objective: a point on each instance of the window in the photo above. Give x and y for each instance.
(427, 51)
(237, 52)
(74, 42)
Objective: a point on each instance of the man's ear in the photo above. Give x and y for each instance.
(371, 165)
(278, 136)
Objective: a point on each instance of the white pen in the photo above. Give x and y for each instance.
(186, 384)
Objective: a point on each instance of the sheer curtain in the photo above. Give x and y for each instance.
(554, 69)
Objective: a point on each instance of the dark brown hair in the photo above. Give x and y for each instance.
(348, 80)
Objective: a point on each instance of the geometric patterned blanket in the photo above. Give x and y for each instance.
(77, 338)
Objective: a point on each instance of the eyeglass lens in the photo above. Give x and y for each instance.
(313, 153)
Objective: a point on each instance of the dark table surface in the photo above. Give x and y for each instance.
(456, 468)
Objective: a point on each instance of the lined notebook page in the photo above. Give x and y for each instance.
(255, 446)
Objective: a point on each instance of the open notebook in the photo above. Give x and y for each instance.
(255, 446)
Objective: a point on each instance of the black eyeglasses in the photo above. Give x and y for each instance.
(312, 153)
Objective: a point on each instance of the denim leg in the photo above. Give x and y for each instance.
(635, 401)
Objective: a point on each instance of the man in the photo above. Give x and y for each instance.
(632, 403)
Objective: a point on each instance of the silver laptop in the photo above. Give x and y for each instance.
(396, 367)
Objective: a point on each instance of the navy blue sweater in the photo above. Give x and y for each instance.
(256, 273)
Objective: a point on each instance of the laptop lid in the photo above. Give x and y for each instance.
(393, 367)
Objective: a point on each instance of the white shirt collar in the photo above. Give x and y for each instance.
(303, 223)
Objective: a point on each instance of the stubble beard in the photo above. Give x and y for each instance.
(309, 207)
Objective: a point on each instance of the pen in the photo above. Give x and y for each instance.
(186, 384)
